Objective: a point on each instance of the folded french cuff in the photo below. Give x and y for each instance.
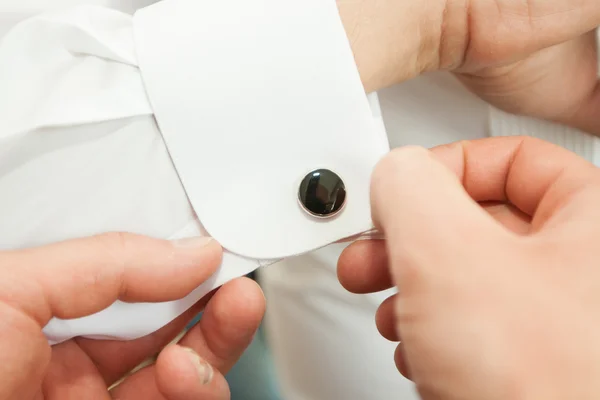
(252, 97)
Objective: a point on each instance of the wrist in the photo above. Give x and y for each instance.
(392, 40)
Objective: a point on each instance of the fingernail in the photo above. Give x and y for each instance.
(203, 369)
(199, 241)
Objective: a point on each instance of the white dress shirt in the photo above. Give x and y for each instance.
(147, 124)
(83, 154)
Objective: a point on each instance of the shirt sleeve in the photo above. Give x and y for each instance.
(187, 119)
(80, 152)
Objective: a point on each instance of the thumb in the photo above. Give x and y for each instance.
(427, 217)
(76, 278)
(182, 375)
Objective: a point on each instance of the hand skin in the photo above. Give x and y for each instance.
(494, 302)
(80, 277)
(529, 57)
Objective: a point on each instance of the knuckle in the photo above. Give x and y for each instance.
(116, 241)
(114, 247)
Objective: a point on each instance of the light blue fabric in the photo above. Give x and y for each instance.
(254, 377)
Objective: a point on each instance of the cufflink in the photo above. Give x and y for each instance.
(322, 193)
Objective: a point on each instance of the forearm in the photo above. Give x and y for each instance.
(487, 47)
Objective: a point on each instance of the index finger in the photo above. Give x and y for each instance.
(77, 278)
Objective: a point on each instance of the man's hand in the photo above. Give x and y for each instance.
(530, 57)
(495, 301)
(78, 278)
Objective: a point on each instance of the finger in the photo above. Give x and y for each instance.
(509, 216)
(386, 321)
(80, 277)
(363, 267)
(114, 359)
(533, 175)
(178, 374)
(182, 375)
(227, 327)
(228, 324)
(72, 375)
(401, 362)
(427, 217)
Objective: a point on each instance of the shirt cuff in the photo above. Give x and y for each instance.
(251, 97)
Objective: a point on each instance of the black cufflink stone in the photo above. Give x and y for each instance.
(322, 193)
